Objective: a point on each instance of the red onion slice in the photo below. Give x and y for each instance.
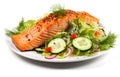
(51, 57)
(70, 50)
(96, 48)
(101, 26)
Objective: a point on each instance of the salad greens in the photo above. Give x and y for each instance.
(95, 36)
(21, 27)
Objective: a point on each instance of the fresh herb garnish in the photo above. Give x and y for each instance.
(58, 10)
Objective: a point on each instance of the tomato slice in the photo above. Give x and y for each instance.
(97, 33)
(48, 49)
(73, 35)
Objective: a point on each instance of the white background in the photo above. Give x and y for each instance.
(12, 65)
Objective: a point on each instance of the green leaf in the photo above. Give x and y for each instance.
(24, 25)
(108, 42)
(9, 33)
(104, 47)
(21, 25)
(110, 39)
(28, 24)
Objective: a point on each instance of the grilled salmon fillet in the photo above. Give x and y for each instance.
(46, 28)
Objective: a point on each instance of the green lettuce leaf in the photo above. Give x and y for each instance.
(108, 42)
(21, 27)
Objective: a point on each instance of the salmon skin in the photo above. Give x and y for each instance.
(46, 28)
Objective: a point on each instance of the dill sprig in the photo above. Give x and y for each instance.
(58, 10)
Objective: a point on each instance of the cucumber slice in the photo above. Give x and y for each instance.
(82, 43)
(58, 45)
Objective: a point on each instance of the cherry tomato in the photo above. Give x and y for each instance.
(73, 35)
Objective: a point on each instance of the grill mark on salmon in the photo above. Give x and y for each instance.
(46, 28)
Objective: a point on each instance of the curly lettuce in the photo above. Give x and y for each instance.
(21, 27)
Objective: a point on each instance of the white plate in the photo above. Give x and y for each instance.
(35, 56)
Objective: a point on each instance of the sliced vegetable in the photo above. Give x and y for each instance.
(82, 43)
(57, 45)
(51, 57)
(73, 35)
(39, 49)
(70, 50)
(48, 49)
